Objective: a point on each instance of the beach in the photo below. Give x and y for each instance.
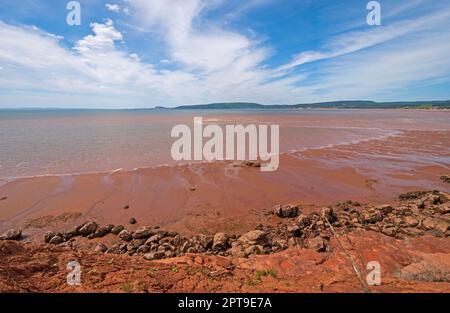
(326, 156)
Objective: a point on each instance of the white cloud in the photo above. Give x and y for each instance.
(113, 7)
(354, 41)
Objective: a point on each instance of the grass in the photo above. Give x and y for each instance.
(429, 272)
(268, 272)
(127, 287)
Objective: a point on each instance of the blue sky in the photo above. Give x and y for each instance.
(144, 53)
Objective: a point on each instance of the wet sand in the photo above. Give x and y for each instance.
(192, 196)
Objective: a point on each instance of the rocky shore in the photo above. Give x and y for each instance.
(417, 214)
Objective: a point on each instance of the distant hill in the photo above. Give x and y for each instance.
(332, 104)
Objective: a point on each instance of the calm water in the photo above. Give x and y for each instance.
(39, 142)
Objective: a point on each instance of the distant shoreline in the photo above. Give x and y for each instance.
(408, 105)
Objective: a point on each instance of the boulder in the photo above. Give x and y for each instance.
(205, 241)
(13, 234)
(253, 237)
(56, 240)
(142, 233)
(442, 226)
(154, 239)
(237, 251)
(327, 213)
(372, 217)
(411, 221)
(117, 229)
(49, 235)
(132, 221)
(125, 235)
(389, 230)
(385, 209)
(143, 249)
(287, 210)
(429, 223)
(135, 244)
(220, 242)
(154, 255)
(294, 230)
(88, 228)
(115, 249)
(102, 231)
(317, 244)
(303, 221)
(101, 248)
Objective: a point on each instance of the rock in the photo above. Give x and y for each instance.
(237, 251)
(101, 248)
(253, 237)
(327, 213)
(56, 240)
(251, 164)
(411, 221)
(13, 234)
(251, 250)
(412, 195)
(303, 221)
(287, 210)
(429, 223)
(442, 209)
(143, 249)
(192, 250)
(117, 229)
(442, 226)
(389, 230)
(125, 235)
(135, 244)
(294, 230)
(102, 231)
(317, 244)
(373, 217)
(154, 238)
(413, 232)
(169, 254)
(142, 233)
(132, 221)
(385, 209)
(154, 255)
(115, 249)
(205, 241)
(88, 228)
(68, 234)
(220, 242)
(167, 246)
(49, 235)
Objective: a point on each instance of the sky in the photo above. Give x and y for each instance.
(146, 53)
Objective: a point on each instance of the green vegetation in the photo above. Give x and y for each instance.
(323, 105)
(268, 272)
(127, 287)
